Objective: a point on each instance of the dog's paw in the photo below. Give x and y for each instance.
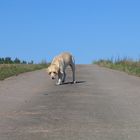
(74, 82)
(57, 84)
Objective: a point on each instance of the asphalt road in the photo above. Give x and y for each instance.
(103, 105)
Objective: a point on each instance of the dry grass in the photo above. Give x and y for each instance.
(7, 70)
(127, 65)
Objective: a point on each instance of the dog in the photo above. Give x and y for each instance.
(59, 65)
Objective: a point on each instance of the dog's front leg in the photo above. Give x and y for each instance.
(60, 77)
(59, 82)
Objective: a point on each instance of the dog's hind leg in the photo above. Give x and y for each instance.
(73, 72)
(64, 77)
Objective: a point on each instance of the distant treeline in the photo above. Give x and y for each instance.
(9, 60)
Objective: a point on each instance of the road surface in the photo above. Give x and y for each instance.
(104, 104)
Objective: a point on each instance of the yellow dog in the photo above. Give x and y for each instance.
(58, 66)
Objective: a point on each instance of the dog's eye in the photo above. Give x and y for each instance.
(49, 73)
(54, 72)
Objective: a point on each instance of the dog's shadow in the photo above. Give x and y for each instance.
(66, 83)
(77, 82)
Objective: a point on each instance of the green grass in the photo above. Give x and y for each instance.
(126, 65)
(7, 70)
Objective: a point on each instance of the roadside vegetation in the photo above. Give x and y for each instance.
(9, 67)
(127, 65)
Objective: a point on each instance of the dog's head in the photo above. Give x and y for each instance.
(53, 71)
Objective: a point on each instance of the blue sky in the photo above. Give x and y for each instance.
(89, 29)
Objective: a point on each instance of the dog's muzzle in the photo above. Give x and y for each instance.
(53, 78)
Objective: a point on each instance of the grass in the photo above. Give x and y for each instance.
(127, 65)
(7, 70)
